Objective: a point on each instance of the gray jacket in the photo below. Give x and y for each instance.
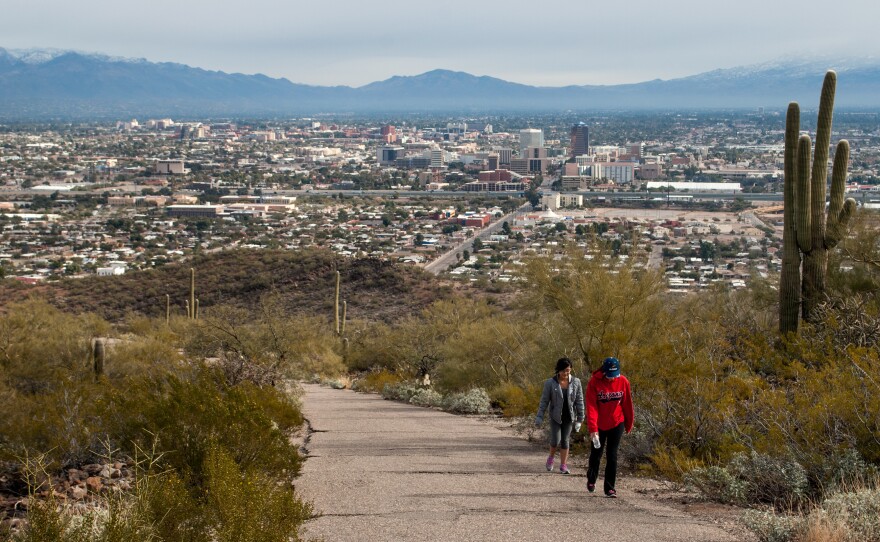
(552, 397)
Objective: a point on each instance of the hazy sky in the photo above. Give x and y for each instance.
(354, 42)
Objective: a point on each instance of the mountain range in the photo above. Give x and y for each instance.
(51, 84)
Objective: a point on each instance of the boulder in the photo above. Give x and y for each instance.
(94, 484)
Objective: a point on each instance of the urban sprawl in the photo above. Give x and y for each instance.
(698, 196)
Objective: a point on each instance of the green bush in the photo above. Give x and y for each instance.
(248, 505)
(514, 401)
(375, 381)
(191, 414)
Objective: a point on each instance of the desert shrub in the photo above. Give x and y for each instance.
(847, 469)
(672, 463)
(368, 346)
(718, 484)
(190, 414)
(176, 510)
(50, 521)
(771, 527)
(752, 479)
(401, 391)
(265, 343)
(426, 397)
(856, 513)
(375, 381)
(60, 423)
(41, 345)
(514, 401)
(233, 504)
(248, 506)
(475, 401)
(774, 480)
(849, 516)
(141, 355)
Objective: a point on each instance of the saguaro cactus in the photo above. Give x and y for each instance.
(808, 233)
(98, 353)
(344, 310)
(336, 305)
(192, 293)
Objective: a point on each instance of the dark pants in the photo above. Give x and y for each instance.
(608, 440)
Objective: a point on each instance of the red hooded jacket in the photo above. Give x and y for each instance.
(609, 402)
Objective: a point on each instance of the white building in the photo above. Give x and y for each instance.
(699, 187)
(619, 172)
(437, 158)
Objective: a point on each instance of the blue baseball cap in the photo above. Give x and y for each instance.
(611, 367)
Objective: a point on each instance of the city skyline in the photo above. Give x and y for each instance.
(355, 44)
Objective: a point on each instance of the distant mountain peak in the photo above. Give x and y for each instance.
(44, 55)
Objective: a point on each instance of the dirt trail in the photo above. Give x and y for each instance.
(380, 470)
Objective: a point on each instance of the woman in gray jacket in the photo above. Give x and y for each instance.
(564, 395)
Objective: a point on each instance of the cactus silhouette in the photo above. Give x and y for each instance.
(808, 234)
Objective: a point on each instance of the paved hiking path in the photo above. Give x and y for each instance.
(380, 470)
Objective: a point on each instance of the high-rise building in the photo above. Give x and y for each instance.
(437, 159)
(530, 138)
(388, 155)
(580, 140)
(389, 133)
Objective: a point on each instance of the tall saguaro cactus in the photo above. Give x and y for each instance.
(192, 293)
(336, 305)
(98, 355)
(808, 234)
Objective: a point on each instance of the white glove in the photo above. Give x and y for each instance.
(577, 426)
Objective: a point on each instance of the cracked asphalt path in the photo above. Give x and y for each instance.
(385, 471)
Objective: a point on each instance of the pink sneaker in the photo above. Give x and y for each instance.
(563, 469)
(550, 463)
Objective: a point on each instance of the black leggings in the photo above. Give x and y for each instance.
(609, 440)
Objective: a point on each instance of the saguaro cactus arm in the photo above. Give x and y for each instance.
(803, 191)
(839, 211)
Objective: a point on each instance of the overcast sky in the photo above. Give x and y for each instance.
(355, 42)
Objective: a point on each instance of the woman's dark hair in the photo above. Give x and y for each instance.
(562, 364)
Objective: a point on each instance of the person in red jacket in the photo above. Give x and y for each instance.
(609, 415)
